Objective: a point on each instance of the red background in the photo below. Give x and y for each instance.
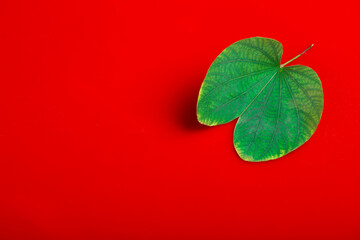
(98, 130)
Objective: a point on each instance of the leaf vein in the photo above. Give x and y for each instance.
(277, 121)
(266, 54)
(239, 95)
(232, 79)
(262, 110)
(306, 94)
(243, 60)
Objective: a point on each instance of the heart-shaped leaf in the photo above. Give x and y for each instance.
(278, 107)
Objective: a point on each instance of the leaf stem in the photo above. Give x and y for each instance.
(282, 65)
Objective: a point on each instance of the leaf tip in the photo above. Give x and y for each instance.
(206, 122)
(243, 156)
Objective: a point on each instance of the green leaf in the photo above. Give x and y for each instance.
(278, 107)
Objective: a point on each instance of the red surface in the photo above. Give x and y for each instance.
(99, 137)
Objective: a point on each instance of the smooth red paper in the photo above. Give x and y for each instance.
(98, 130)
